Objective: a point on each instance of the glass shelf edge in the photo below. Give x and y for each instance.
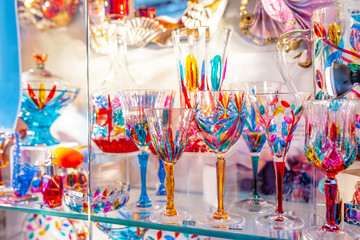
(44, 212)
(181, 229)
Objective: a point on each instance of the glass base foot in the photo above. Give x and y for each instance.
(316, 232)
(160, 217)
(258, 205)
(234, 221)
(133, 208)
(280, 221)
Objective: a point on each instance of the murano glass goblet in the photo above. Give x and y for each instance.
(279, 114)
(254, 137)
(133, 103)
(219, 117)
(169, 129)
(330, 145)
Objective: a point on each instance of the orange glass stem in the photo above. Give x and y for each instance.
(170, 187)
(220, 174)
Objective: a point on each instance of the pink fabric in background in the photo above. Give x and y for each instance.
(270, 16)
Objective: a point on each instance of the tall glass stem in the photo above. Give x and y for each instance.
(161, 174)
(279, 178)
(144, 200)
(331, 189)
(255, 162)
(1, 179)
(220, 174)
(170, 186)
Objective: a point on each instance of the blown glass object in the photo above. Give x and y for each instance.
(219, 117)
(133, 103)
(169, 130)
(201, 56)
(330, 145)
(255, 138)
(44, 95)
(279, 114)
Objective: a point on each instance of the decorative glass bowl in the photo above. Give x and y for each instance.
(103, 200)
(43, 96)
(115, 231)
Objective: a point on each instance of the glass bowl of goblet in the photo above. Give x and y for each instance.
(331, 146)
(219, 117)
(169, 130)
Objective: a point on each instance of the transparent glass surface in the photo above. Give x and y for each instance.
(191, 202)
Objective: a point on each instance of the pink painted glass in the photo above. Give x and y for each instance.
(279, 114)
(330, 145)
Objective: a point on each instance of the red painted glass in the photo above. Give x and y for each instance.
(116, 9)
(52, 190)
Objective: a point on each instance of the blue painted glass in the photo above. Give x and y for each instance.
(144, 200)
(41, 103)
(23, 180)
(161, 174)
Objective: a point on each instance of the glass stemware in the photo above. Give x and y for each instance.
(330, 145)
(133, 103)
(219, 117)
(201, 57)
(279, 114)
(169, 130)
(255, 137)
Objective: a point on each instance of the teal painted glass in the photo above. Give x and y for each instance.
(44, 95)
(216, 72)
(219, 117)
(10, 70)
(217, 45)
(133, 103)
(254, 137)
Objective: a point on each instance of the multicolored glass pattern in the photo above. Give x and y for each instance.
(279, 115)
(108, 129)
(40, 108)
(219, 117)
(330, 145)
(169, 129)
(134, 103)
(103, 199)
(330, 141)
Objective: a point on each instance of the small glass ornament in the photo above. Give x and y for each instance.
(44, 95)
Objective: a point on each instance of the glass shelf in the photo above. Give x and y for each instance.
(191, 202)
(37, 208)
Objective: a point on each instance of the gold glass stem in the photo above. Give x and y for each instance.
(170, 186)
(220, 173)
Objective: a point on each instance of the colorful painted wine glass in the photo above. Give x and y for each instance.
(201, 57)
(255, 137)
(169, 130)
(133, 103)
(219, 117)
(279, 114)
(330, 145)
